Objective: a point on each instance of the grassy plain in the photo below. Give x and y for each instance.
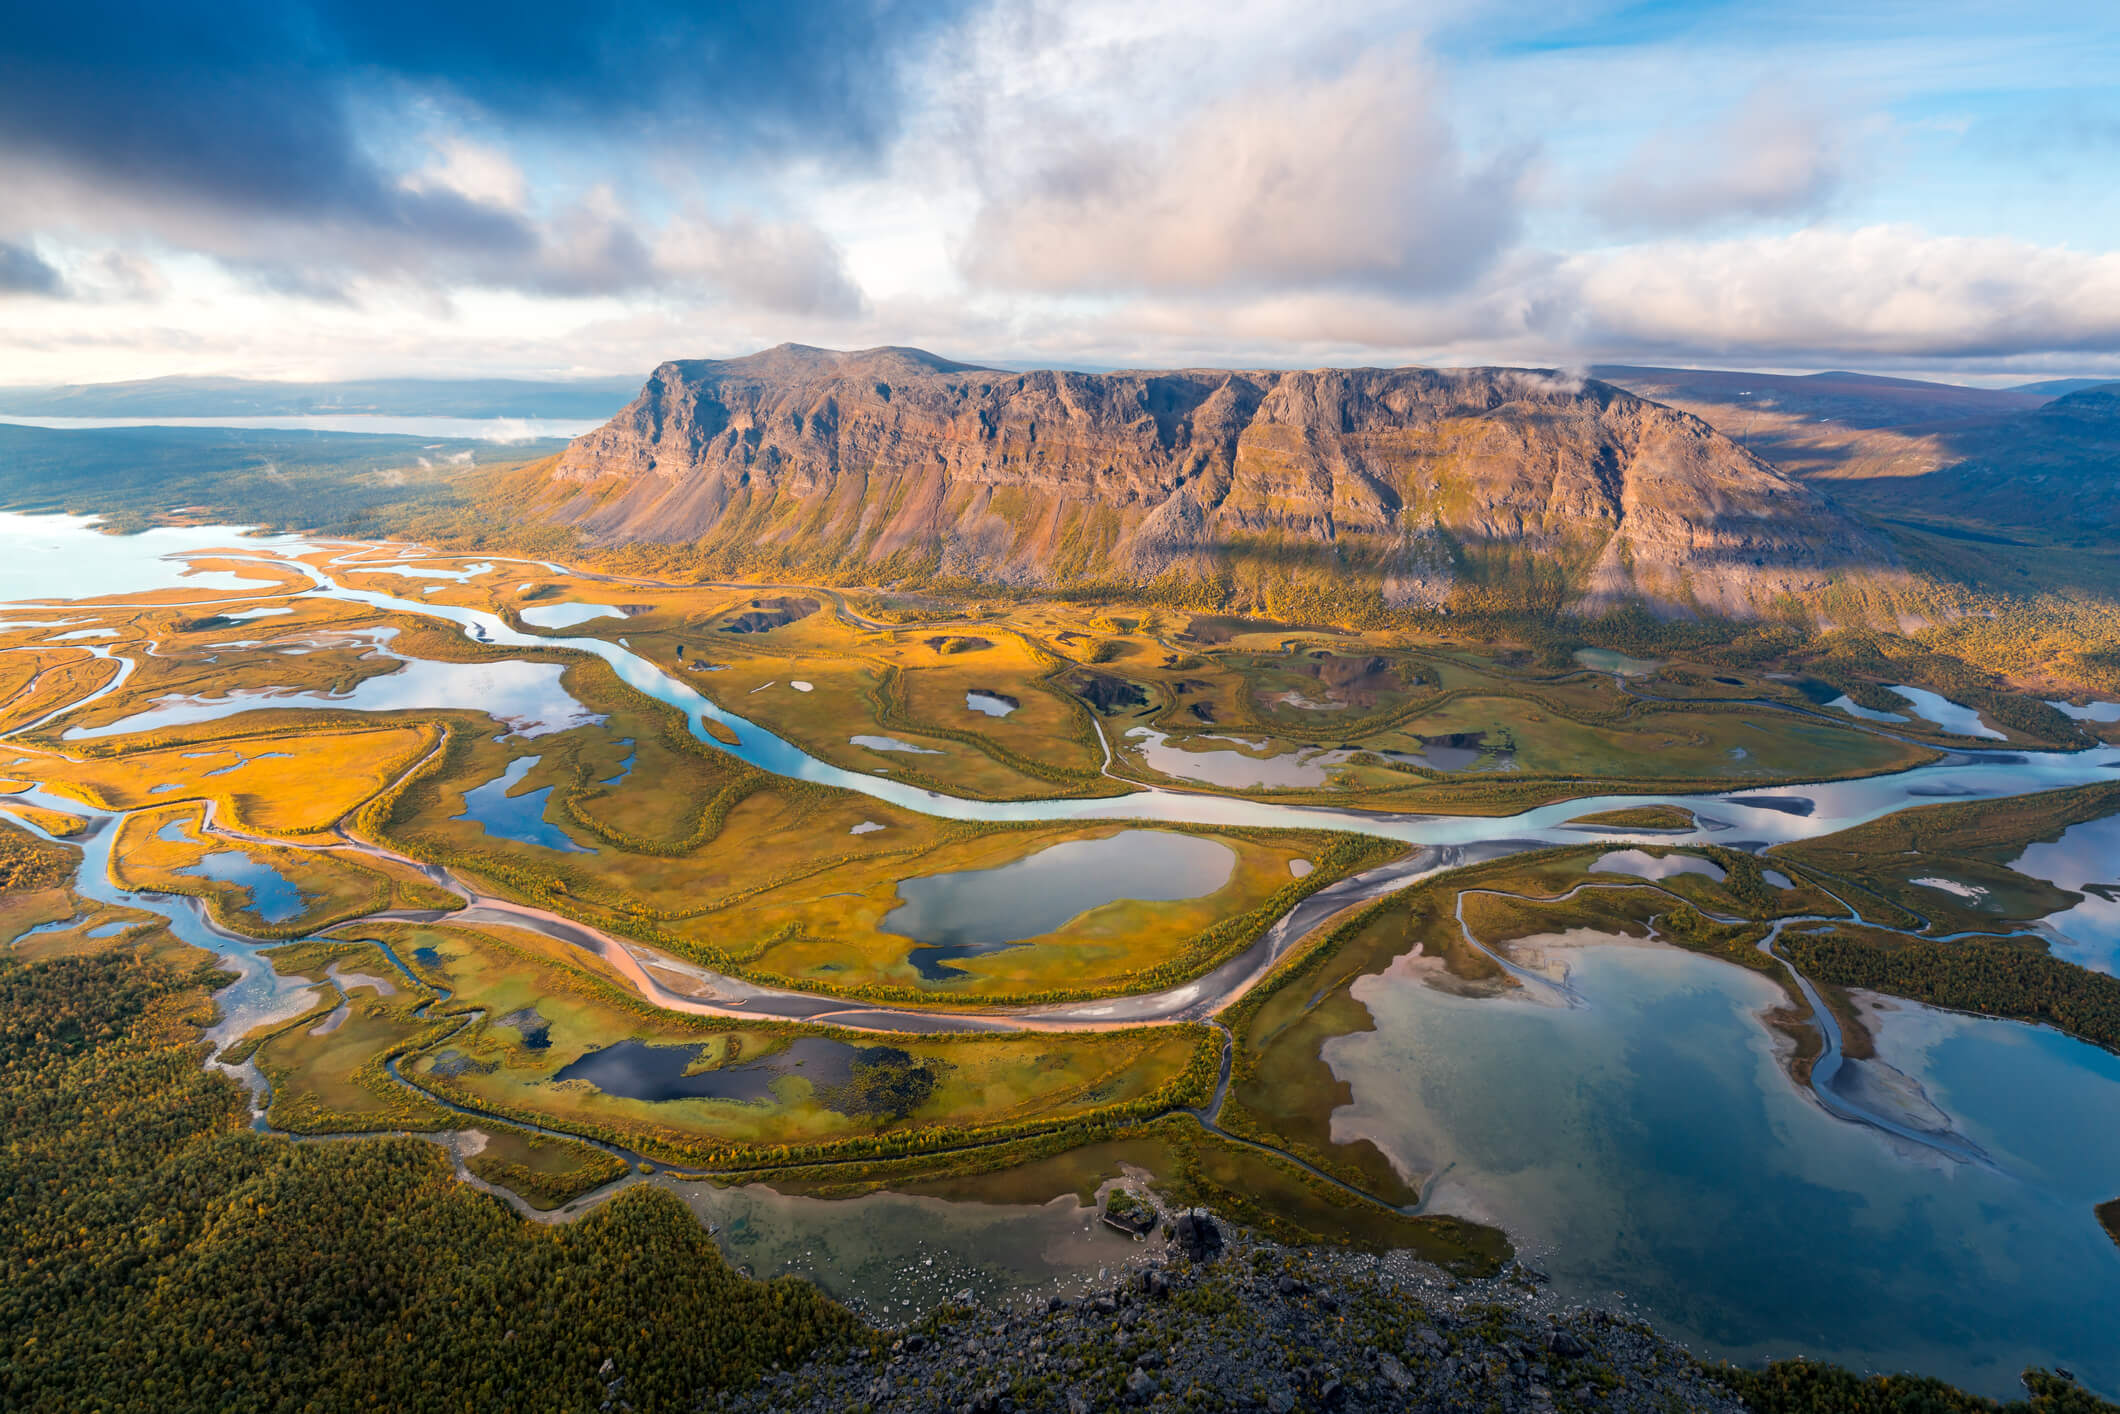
(683, 846)
(520, 1008)
(294, 784)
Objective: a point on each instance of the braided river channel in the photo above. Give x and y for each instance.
(1629, 1121)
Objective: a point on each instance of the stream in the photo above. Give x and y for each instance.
(1751, 818)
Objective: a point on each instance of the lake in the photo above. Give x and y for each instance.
(981, 910)
(472, 429)
(1649, 1150)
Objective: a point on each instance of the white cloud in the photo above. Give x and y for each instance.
(1352, 180)
(474, 171)
(1879, 291)
(1772, 155)
(791, 267)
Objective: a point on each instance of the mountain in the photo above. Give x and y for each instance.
(245, 397)
(1983, 490)
(1426, 487)
(2062, 387)
(2053, 472)
(1851, 399)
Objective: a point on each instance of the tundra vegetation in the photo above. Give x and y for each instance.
(373, 829)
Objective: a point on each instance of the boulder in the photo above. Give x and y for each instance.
(1197, 1236)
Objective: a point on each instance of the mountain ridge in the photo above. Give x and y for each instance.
(1423, 487)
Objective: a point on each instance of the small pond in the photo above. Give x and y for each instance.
(895, 1256)
(635, 1070)
(1849, 705)
(1644, 865)
(1963, 721)
(979, 911)
(1609, 660)
(994, 704)
(891, 743)
(426, 571)
(517, 817)
(1306, 766)
(2089, 711)
(568, 615)
(273, 896)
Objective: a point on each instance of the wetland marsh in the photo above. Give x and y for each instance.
(692, 926)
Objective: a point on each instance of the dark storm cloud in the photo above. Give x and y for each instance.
(24, 272)
(251, 105)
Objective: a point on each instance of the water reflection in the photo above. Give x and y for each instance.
(1234, 770)
(1648, 1145)
(2085, 859)
(1947, 714)
(568, 615)
(635, 1070)
(508, 816)
(1644, 865)
(980, 910)
(525, 696)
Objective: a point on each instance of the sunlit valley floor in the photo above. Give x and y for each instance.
(897, 936)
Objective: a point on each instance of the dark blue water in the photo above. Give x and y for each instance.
(273, 896)
(517, 817)
(625, 767)
(635, 1070)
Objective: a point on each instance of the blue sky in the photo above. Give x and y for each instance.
(322, 188)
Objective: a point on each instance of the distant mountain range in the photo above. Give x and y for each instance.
(2062, 387)
(1426, 488)
(1850, 399)
(2013, 489)
(399, 397)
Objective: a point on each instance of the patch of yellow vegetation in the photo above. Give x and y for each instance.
(287, 784)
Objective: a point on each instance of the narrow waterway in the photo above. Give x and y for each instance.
(1643, 1140)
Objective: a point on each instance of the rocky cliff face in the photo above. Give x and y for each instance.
(1420, 485)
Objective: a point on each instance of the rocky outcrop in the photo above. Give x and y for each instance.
(1416, 486)
(1272, 1330)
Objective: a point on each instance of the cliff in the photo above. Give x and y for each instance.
(1418, 485)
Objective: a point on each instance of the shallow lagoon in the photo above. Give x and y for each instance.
(1608, 660)
(1644, 865)
(517, 817)
(273, 896)
(52, 557)
(978, 910)
(568, 615)
(526, 696)
(1931, 707)
(1231, 769)
(2086, 855)
(1647, 1147)
(896, 1256)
